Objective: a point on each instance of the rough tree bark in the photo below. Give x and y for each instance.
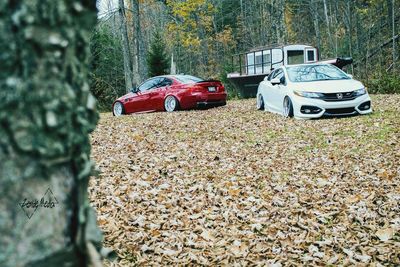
(125, 47)
(46, 114)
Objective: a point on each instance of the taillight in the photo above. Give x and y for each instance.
(196, 88)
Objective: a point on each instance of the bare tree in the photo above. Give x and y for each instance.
(394, 35)
(328, 28)
(314, 13)
(125, 46)
(139, 62)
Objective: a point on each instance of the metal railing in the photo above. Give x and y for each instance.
(265, 65)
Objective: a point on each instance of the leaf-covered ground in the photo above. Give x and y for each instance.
(235, 186)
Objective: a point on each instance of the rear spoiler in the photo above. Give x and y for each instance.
(210, 80)
(339, 62)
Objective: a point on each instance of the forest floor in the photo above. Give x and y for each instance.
(240, 187)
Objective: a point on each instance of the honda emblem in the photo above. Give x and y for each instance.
(339, 96)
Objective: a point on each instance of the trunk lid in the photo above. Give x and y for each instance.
(211, 86)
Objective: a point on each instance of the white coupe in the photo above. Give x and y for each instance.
(312, 91)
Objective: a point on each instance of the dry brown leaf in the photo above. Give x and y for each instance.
(385, 234)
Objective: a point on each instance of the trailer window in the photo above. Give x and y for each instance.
(295, 57)
(310, 55)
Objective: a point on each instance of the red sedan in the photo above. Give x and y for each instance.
(170, 93)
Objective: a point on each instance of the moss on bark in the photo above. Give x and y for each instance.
(46, 115)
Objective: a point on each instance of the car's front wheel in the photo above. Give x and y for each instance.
(287, 107)
(171, 104)
(118, 109)
(260, 102)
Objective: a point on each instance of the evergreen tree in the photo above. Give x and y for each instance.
(157, 58)
(107, 72)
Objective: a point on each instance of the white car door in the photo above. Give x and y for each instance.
(278, 92)
(268, 91)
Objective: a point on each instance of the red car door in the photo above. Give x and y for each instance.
(140, 102)
(130, 103)
(157, 94)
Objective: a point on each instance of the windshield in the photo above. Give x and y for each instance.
(188, 79)
(311, 73)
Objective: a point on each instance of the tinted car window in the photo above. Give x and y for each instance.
(278, 74)
(271, 75)
(149, 84)
(165, 82)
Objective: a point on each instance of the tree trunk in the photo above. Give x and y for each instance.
(314, 13)
(393, 36)
(349, 14)
(46, 114)
(125, 47)
(328, 27)
(201, 33)
(139, 64)
(281, 32)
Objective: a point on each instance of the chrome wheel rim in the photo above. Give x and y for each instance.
(170, 104)
(259, 101)
(118, 109)
(286, 107)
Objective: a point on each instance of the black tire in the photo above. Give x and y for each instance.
(287, 107)
(260, 102)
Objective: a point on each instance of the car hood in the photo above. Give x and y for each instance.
(128, 95)
(334, 86)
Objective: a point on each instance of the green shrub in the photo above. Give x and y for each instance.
(386, 84)
(233, 92)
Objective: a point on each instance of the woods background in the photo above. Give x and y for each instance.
(202, 35)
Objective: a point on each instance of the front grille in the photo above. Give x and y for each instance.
(333, 97)
(340, 111)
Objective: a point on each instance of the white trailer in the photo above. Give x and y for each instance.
(250, 68)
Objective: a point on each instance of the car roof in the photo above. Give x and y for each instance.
(171, 76)
(162, 76)
(306, 64)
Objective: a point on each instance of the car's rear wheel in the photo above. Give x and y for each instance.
(260, 102)
(118, 109)
(171, 104)
(287, 107)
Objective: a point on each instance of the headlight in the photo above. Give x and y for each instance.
(308, 94)
(359, 92)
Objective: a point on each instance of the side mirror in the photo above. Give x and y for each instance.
(275, 81)
(350, 76)
(134, 90)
